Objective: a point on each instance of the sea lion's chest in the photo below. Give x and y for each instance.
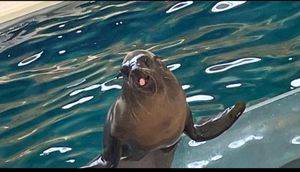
(151, 123)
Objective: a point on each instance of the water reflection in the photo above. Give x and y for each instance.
(295, 83)
(296, 140)
(193, 143)
(226, 5)
(30, 59)
(233, 85)
(76, 84)
(56, 149)
(71, 160)
(173, 67)
(185, 87)
(179, 6)
(226, 66)
(80, 101)
(85, 89)
(198, 98)
(62, 52)
(239, 143)
(203, 163)
(61, 26)
(105, 87)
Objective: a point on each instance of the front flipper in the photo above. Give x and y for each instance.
(215, 126)
(111, 154)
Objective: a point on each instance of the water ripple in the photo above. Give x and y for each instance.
(30, 59)
(233, 85)
(296, 140)
(295, 83)
(173, 67)
(80, 101)
(197, 98)
(226, 5)
(239, 143)
(226, 66)
(179, 6)
(85, 89)
(56, 149)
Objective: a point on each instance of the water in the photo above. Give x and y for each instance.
(57, 69)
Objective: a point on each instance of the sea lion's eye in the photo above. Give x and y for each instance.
(125, 71)
(146, 61)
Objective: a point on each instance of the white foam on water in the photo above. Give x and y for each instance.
(61, 26)
(55, 149)
(296, 140)
(230, 65)
(233, 85)
(227, 5)
(198, 164)
(193, 143)
(80, 101)
(61, 51)
(173, 66)
(85, 89)
(71, 160)
(199, 98)
(179, 6)
(295, 83)
(30, 59)
(217, 157)
(184, 87)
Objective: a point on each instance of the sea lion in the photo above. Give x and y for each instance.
(146, 121)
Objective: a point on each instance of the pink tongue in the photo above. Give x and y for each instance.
(142, 82)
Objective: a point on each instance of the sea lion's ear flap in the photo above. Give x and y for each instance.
(158, 60)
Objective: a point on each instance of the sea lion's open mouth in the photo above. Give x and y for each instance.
(143, 81)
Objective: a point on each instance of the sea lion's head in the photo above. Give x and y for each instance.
(142, 70)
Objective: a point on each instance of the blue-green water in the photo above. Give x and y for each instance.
(57, 68)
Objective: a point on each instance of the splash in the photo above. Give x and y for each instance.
(226, 66)
(30, 59)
